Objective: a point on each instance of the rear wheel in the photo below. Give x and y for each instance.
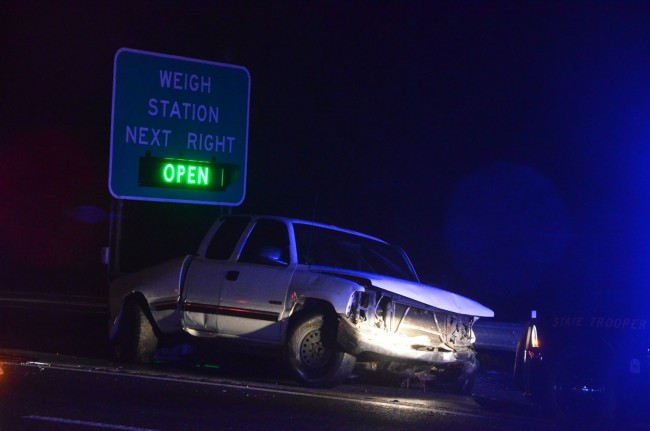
(313, 354)
(135, 340)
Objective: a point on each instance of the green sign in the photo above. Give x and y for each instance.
(179, 129)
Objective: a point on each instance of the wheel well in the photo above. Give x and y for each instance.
(310, 306)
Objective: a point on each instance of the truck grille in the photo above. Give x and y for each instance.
(442, 328)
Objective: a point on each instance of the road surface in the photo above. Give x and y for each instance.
(56, 375)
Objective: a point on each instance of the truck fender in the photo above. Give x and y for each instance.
(334, 290)
(327, 294)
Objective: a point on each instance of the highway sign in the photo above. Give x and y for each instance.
(179, 129)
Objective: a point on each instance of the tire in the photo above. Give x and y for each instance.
(135, 340)
(581, 391)
(464, 385)
(313, 356)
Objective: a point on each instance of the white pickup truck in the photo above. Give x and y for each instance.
(324, 296)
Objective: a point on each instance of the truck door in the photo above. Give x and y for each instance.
(255, 288)
(206, 275)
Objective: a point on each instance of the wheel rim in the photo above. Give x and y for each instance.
(313, 353)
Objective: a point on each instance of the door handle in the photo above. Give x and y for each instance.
(232, 275)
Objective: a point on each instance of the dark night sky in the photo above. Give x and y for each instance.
(504, 145)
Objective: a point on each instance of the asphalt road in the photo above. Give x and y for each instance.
(56, 375)
(69, 393)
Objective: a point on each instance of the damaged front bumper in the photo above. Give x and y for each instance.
(363, 339)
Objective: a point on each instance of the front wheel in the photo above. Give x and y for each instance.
(313, 354)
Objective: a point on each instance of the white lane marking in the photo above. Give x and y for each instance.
(85, 423)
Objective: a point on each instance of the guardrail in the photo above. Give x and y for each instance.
(503, 336)
(54, 302)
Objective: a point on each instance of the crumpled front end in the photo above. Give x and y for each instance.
(386, 324)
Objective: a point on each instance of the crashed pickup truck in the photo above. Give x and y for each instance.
(324, 296)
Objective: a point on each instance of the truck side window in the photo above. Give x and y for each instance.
(225, 239)
(268, 244)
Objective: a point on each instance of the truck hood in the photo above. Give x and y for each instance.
(429, 295)
(433, 296)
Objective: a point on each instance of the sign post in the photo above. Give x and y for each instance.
(179, 129)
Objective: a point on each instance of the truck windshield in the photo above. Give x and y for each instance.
(336, 249)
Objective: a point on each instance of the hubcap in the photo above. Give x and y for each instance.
(313, 353)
